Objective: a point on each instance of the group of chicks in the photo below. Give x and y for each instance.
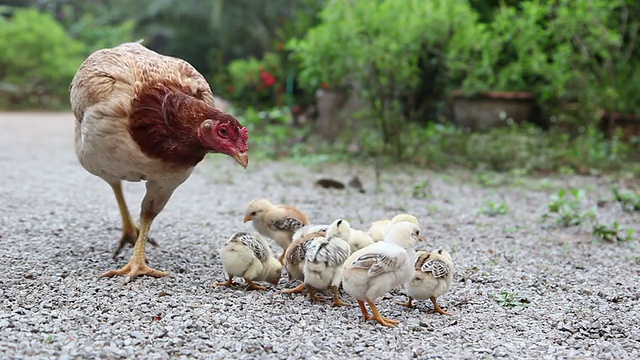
(366, 264)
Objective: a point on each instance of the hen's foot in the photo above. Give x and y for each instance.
(129, 238)
(134, 269)
(296, 289)
(314, 297)
(254, 286)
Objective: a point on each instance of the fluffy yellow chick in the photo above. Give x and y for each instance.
(376, 269)
(308, 229)
(358, 239)
(324, 259)
(432, 276)
(379, 228)
(250, 257)
(278, 222)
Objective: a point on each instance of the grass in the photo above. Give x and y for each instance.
(512, 300)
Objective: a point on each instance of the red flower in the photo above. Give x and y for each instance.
(230, 89)
(325, 85)
(267, 78)
(296, 109)
(279, 46)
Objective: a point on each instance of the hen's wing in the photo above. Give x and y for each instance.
(436, 267)
(116, 75)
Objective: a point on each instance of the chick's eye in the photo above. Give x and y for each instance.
(254, 213)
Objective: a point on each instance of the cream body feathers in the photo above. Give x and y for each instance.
(376, 269)
(432, 275)
(379, 228)
(249, 256)
(359, 239)
(325, 256)
(101, 99)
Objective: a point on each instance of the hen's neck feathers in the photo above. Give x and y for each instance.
(164, 123)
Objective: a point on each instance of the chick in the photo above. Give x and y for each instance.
(308, 229)
(379, 228)
(358, 239)
(277, 222)
(432, 276)
(250, 257)
(294, 259)
(324, 259)
(376, 269)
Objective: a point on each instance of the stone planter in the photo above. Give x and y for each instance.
(610, 122)
(492, 109)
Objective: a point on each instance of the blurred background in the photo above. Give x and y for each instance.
(534, 86)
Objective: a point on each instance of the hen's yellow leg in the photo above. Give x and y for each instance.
(129, 229)
(379, 318)
(408, 304)
(336, 297)
(437, 308)
(138, 263)
(297, 289)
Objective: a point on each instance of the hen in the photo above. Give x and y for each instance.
(142, 116)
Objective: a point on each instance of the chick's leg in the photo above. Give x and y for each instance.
(379, 318)
(228, 282)
(408, 304)
(437, 308)
(154, 201)
(297, 289)
(129, 229)
(336, 297)
(254, 286)
(363, 308)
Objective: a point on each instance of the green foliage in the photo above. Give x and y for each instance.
(629, 199)
(97, 35)
(37, 61)
(566, 208)
(421, 190)
(512, 300)
(271, 133)
(583, 51)
(495, 209)
(612, 233)
(260, 83)
(376, 48)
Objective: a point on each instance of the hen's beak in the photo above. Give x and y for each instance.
(248, 218)
(420, 238)
(241, 158)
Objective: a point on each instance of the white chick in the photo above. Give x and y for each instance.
(294, 259)
(250, 257)
(324, 259)
(379, 228)
(376, 269)
(308, 229)
(358, 239)
(432, 276)
(277, 222)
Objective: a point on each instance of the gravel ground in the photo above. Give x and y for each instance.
(58, 225)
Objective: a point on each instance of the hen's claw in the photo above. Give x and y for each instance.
(134, 269)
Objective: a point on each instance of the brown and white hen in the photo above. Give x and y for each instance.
(143, 116)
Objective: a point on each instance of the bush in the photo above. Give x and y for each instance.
(37, 61)
(379, 48)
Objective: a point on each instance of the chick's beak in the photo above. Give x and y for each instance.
(420, 238)
(248, 218)
(241, 158)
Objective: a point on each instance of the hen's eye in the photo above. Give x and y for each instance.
(223, 131)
